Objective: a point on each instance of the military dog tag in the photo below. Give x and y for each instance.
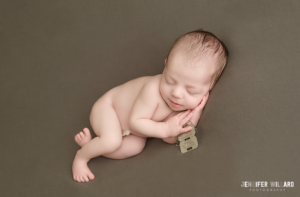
(188, 144)
(187, 141)
(187, 134)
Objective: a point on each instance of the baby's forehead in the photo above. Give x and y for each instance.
(206, 66)
(192, 75)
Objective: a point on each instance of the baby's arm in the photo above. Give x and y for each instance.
(170, 140)
(144, 108)
(142, 111)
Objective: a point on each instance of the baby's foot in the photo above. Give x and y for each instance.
(83, 137)
(81, 172)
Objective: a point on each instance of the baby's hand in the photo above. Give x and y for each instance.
(176, 122)
(197, 111)
(201, 105)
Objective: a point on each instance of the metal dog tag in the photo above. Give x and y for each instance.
(187, 141)
(187, 134)
(188, 144)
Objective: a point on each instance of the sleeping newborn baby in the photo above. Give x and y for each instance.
(153, 106)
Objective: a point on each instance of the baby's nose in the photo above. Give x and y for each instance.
(177, 93)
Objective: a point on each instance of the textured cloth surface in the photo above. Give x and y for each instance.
(58, 57)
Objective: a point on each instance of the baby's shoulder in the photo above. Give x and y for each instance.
(150, 89)
(152, 83)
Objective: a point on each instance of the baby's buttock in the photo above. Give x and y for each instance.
(123, 97)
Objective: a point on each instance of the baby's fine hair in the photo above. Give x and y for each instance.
(200, 44)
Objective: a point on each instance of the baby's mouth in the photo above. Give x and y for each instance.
(175, 104)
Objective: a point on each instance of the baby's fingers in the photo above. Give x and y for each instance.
(187, 118)
(183, 114)
(185, 129)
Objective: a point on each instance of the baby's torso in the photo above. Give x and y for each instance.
(124, 96)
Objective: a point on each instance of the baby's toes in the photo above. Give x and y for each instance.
(78, 137)
(82, 135)
(82, 179)
(91, 176)
(77, 178)
(86, 178)
(86, 131)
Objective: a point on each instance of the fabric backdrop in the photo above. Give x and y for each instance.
(58, 57)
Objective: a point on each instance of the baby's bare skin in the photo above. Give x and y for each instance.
(148, 99)
(123, 97)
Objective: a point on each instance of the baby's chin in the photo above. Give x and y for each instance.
(179, 109)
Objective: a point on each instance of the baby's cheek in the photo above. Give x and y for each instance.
(193, 103)
(164, 90)
(190, 104)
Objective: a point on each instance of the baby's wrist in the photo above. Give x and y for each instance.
(169, 140)
(167, 130)
(195, 119)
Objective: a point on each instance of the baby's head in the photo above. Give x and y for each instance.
(193, 66)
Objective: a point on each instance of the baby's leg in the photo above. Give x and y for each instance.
(131, 146)
(106, 126)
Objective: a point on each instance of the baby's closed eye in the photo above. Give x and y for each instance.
(169, 82)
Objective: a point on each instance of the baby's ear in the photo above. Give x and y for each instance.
(166, 61)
